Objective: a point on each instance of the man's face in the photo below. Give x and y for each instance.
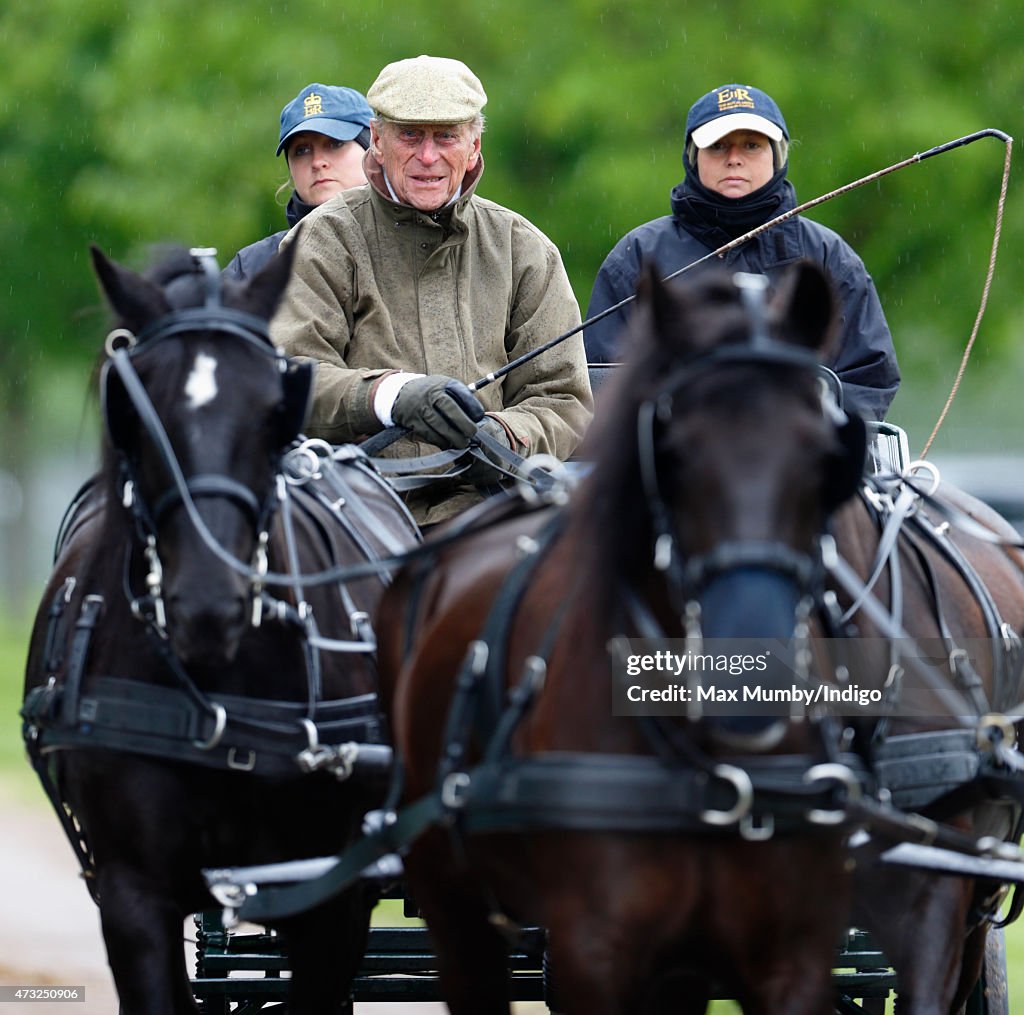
(426, 163)
(737, 164)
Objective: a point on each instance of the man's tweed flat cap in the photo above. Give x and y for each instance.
(427, 89)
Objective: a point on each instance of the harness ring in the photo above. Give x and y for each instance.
(740, 782)
(220, 721)
(838, 773)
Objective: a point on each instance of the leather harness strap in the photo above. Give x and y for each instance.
(263, 737)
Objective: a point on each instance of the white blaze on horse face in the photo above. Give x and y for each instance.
(201, 386)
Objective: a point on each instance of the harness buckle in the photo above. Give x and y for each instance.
(663, 551)
(154, 583)
(313, 758)
(241, 766)
(339, 761)
(1011, 640)
(995, 728)
(453, 790)
(220, 721)
(261, 565)
(744, 788)
(761, 831)
(832, 771)
(958, 657)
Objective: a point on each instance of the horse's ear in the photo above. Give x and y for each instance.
(653, 293)
(264, 290)
(663, 309)
(134, 299)
(805, 307)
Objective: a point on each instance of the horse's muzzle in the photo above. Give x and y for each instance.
(748, 608)
(206, 634)
(750, 602)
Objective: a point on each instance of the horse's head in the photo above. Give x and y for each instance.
(198, 407)
(740, 451)
(746, 448)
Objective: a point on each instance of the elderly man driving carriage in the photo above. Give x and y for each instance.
(406, 290)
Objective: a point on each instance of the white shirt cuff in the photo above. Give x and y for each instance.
(387, 393)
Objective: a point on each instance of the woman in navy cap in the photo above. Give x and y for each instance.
(736, 157)
(325, 131)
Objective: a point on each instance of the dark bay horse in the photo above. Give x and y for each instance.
(954, 578)
(650, 846)
(180, 676)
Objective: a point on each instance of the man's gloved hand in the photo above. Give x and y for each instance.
(438, 409)
(482, 473)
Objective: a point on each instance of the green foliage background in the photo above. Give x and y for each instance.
(130, 123)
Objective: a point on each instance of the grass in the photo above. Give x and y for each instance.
(20, 783)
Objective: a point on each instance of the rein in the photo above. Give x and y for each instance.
(182, 491)
(642, 794)
(295, 469)
(671, 791)
(412, 473)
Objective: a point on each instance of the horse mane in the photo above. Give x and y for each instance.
(177, 273)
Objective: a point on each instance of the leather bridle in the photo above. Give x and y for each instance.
(123, 347)
(688, 575)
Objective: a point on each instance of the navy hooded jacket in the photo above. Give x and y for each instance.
(863, 355)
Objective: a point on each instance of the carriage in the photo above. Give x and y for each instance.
(779, 790)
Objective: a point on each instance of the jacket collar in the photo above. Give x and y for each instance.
(715, 220)
(297, 209)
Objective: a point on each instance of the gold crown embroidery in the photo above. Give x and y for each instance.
(734, 98)
(313, 105)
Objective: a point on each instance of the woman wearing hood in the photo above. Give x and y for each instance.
(736, 160)
(325, 131)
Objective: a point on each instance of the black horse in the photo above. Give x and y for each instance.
(180, 678)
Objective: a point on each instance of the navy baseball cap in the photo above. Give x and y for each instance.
(339, 112)
(734, 107)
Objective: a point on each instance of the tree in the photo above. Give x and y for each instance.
(128, 124)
